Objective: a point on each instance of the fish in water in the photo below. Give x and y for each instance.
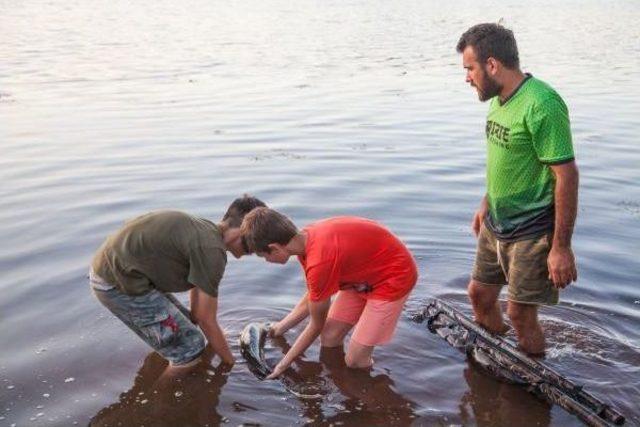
(252, 340)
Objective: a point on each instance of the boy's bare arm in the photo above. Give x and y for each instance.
(297, 315)
(318, 311)
(205, 310)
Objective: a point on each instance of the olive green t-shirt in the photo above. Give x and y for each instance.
(170, 251)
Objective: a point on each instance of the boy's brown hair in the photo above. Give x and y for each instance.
(263, 226)
(239, 208)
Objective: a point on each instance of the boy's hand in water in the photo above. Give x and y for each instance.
(276, 330)
(277, 371)
(229, 361)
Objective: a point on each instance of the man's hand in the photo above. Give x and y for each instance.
(478, 217)
(277, 371)
(562, 266)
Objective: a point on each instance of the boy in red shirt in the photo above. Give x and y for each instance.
(369, 269)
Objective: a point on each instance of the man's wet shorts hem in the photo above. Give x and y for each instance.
(484, 283)
(158, 319)
(533, 302)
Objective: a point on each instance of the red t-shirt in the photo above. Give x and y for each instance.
(344, 252)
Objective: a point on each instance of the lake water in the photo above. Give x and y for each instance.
(109, 109)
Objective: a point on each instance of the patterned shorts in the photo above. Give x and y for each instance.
(158, 318)
(521, 265)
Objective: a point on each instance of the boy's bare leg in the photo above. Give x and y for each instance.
(525, 322)
(359, 356)
(333, 333)
(486, 309)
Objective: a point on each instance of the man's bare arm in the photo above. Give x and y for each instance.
(561, 261)
(204, 309)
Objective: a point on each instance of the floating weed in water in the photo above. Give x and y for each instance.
(632, 207)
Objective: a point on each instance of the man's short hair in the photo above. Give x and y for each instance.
(239, 208)
(263, 226)
(491, 41)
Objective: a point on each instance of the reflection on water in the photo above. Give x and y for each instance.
(165, 397)
(109, 109)
(346, 395)
(490, 402)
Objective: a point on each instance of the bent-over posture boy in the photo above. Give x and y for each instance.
(370, 270)
(136, 269)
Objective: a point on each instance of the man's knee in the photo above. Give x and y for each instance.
(482, 296)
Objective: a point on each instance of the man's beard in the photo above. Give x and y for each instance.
(489, 89)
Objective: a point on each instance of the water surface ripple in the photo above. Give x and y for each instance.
(109, 109)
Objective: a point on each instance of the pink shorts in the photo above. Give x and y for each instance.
(375, 319)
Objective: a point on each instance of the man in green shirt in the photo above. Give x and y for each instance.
(137, 268)
(525, 220)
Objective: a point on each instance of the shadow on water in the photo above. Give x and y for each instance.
(166, 397)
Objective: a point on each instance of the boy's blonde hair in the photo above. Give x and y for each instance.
(263, 226)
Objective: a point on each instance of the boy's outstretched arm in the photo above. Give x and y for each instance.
(297, 315)
(204, 309)
(318, 311)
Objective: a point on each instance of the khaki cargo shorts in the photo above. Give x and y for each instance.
(521, 265)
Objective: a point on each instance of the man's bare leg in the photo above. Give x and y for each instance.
(486, 309)
(525, 321)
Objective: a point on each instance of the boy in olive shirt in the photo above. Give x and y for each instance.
(136, 269)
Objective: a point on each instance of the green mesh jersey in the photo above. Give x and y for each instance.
(525, 134)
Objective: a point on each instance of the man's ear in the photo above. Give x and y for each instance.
(492, 66)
